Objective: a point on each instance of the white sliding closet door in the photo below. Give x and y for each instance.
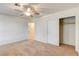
(69, 31)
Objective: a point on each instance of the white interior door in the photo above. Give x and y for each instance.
(53, 29)
(69, 31)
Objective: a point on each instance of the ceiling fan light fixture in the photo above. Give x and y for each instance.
(27, 14)
(28, 9)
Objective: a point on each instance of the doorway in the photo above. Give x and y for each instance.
(61, 28)
(67, 31)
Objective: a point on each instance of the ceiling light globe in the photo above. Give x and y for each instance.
(28, 10)
(28, 14)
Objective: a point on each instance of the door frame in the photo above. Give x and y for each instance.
(61, 29)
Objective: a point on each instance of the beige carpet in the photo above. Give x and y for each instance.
(23, 48)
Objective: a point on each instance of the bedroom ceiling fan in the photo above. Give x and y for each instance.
(27, 9)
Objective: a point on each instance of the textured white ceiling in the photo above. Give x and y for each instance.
(45, 8)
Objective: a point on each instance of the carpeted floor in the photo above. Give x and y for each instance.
(24, 48)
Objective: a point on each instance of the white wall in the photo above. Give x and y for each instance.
(54, 20)
(12, 29)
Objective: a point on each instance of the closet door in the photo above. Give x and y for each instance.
(41, 30)
(69, 31)
(53, 31)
